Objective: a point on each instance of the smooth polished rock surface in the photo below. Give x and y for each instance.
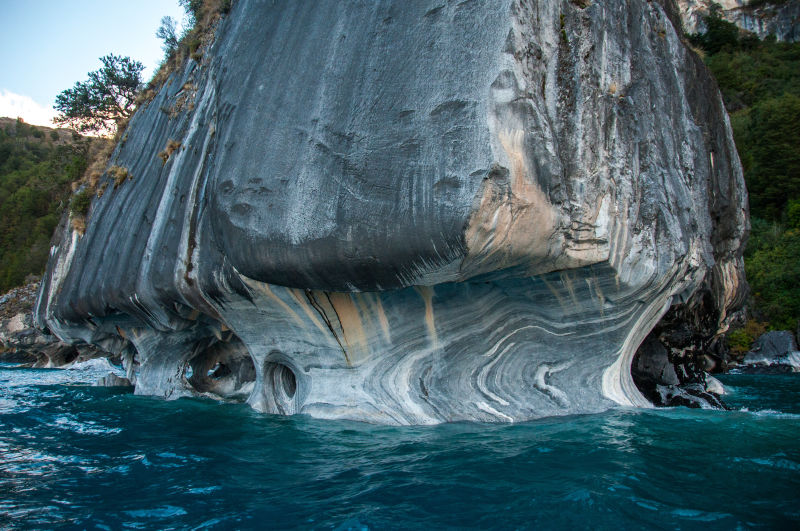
(412, 212)
(772, 352)
(771, 345)
(112, 380)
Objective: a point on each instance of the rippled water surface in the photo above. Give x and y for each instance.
(72, 455)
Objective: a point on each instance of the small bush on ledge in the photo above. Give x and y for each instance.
(119, 174)
(172, 146)
(79, 206)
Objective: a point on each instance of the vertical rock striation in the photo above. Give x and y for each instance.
(412, 212)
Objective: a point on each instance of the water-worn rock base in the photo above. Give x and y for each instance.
(413, 212)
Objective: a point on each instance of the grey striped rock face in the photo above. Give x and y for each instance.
(412, 212)
(780, 19)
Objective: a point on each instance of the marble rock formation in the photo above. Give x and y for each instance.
(779, 18)
(412, 212)
(112, 380)
(772, 352)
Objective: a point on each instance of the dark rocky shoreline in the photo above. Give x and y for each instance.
(23, 343)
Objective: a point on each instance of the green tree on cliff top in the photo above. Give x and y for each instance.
(105, 100)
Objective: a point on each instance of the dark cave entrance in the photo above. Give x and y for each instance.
(222, 367)
(280, 388)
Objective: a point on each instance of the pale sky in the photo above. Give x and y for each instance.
(46, 46)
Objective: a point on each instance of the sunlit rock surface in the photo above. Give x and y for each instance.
(780, 19)
(412, 212)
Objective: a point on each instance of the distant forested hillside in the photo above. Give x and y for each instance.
(760, 83)
(37, 167)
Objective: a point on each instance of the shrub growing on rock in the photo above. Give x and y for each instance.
(79, 206)
(106, 99)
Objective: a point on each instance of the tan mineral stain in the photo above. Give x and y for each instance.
(264, 288)
(350, 321)
(728, 274)
(594, 283)
(567, 282)
(513, 222)
(588, 243)
(426, 292)
(364, 311)
(555, 293)
(300, 297)
(374, 300)
(619, 238)
(372, 313)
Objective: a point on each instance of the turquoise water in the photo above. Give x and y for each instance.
(84, 457)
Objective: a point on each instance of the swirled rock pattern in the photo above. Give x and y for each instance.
(412, 212)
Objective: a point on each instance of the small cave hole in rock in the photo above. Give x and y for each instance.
(223, 368)
(289, 382)
(282, 382)
(61, 356)
(220, 370)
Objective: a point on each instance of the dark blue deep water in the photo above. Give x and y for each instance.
(77, 456)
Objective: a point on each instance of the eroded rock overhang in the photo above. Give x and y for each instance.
(411, 212)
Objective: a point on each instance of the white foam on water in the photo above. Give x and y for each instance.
(96, 364)
(792, 359)
(714, 386)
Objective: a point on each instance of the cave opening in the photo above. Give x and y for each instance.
(219, 371)
(222, 367)
(669, 378)
(282, 382)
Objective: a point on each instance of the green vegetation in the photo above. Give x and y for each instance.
(37, 167)
(172, 145)
(119, 174)
(108, 98)
(166, 32)
(80, 203)
(760, 84)
(202, 18)
(768, 137)
(772, 263)
(721, 35)
(741, 339)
